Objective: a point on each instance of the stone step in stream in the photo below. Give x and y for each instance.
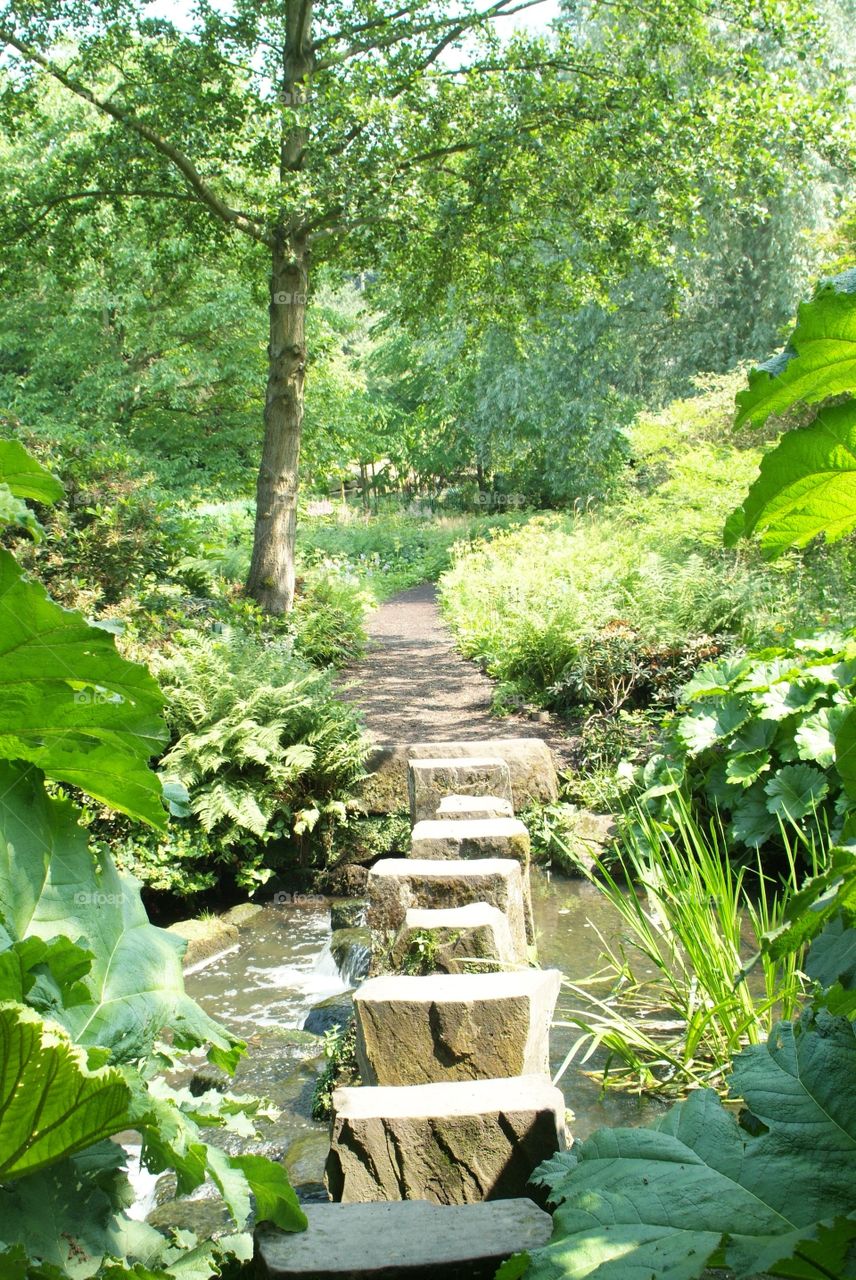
(397, 884)
(431, 1156)
(401, 1240)
(466, 808)
(449, 1143)
(431, 779)
(456, 939)
(464, 1026)
(471, 838)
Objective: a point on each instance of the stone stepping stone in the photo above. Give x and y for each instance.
(530, 763)
(431, 779)
(397, 884)
(404, 1240)
(461, 938)
(462, 808)
(471, 838)
(449, 1143)
(463, 1026)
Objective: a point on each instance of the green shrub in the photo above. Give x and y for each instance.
(329, 616)
(266, 753)
(613, 608)
(754, 740)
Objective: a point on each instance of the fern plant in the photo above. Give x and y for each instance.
(263, 747)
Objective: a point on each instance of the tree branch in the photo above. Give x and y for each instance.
(47, 205)
(205, 195)
(451, 28)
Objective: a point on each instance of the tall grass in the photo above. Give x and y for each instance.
(675, 1002)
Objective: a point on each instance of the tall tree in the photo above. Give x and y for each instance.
(407, 136)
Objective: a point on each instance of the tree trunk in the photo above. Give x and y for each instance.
(271, 577)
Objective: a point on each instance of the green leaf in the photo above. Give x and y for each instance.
(831, 960)
(751, 821)
(71, 705)
(70, 1215)
(696, 1189)
(806, 486)
(25, 477)
(51, 1104)
(712, 723)
(745, 769)
(845, 752)
(815, 737)
(715, 677)
(795, 791)
(820, 899)
(819, 361)
(51, 884)
(786, 697)
(274, 1194)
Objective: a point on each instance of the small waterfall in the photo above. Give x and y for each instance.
(325, 965)
(350, 951)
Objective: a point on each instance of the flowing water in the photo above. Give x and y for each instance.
(287, 962)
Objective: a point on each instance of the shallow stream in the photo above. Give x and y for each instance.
(283, 966)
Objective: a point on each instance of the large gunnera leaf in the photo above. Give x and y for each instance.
(51, 884)
(51, 1104)
(72, 705)
(72, 1215)
(697, 1189)
(818, 362)
(806, 486)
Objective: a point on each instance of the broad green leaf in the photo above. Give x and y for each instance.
(751, 821)
(70, 1215)
(715, 677)
(820, 899)
(47, 974)
(712, 722)
(274, 1194)
(743, 770)
(697, 1189)
(25, 477)
(845, 752)
(831, 959)
(815, 737)
(757, 735)
(819, 361)
(806, 486)
(72, 705)
(795, 791)
(51, 1104)
(786, 697)
(51, 884)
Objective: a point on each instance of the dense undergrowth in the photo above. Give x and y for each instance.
(612, 608)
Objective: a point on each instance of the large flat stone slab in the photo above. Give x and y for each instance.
(530, 763)
(455, 940)
(466, 1026)
(471, 838)
(458, 808)
(432, 778)
(448, 1143)
(407, 1240)
(397, 884)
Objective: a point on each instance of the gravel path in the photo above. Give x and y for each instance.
(413, 685)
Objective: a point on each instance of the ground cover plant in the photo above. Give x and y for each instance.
(613, 608)
(89, 989)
